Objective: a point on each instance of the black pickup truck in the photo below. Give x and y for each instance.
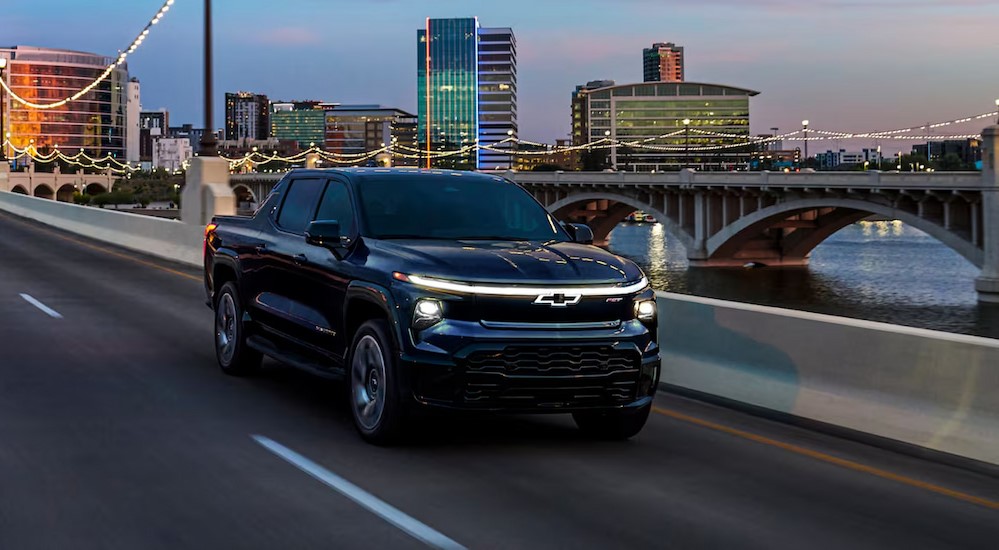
(432, 288)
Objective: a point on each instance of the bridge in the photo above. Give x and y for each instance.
(54, 185)
(728, 219)
(197, 455)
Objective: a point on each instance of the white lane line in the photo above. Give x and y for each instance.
(411, 526)
(48, 311)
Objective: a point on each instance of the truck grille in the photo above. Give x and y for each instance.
(551, 376)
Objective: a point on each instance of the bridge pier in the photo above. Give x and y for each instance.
(987, 284)
(207, 191)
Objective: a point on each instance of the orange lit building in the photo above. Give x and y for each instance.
(663, 62)
(96, 123)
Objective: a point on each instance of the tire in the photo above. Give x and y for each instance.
(375, 396)
(612, 424)
(234, 357)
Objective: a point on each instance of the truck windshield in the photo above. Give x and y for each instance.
(453, 208)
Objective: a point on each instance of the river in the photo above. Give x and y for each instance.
(878, 271)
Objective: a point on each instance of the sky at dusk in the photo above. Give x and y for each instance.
(846, 65)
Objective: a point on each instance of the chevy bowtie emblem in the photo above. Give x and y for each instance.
(558, 300)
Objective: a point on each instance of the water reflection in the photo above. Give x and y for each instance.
(882, 271)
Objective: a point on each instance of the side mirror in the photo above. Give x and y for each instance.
(326, 233)
(580, 233)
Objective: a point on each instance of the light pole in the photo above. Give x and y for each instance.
(513, 156)
(613, 150)
(686, 142)
(997, 111)
(209, 144)
(3, 150)
(804, 125)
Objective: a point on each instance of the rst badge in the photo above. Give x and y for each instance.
(558, 300)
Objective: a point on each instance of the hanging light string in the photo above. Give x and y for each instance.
(103, 76)
(511, 146)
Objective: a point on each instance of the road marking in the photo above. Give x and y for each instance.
(396, 517)
(104, 250)
(46, 309)
(320, 472)
(842, 462)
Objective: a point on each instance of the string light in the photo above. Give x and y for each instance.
(400, 151)
(103, 76)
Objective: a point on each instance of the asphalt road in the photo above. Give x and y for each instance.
(117, 430)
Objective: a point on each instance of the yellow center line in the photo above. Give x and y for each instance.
(104, 250)
(842, 462)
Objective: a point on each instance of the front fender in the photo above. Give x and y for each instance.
(379, 296)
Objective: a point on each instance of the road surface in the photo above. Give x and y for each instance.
(117, 430)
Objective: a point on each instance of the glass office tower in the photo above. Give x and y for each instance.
(466, 93)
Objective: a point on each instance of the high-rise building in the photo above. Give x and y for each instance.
(132, 146)
(663, 62)
(360, 129)
(679, 124)
(247, 116)
(580, 110)
(96, 123)
(467, 93)
(301, 121)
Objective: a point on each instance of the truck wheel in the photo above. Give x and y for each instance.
(233, 355)
(375, 398)
(613, 424)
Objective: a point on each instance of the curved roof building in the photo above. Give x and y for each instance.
(95, 123)
(649, 112)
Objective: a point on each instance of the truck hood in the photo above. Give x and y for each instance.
(519, 262)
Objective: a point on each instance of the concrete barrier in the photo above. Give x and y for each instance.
(168, 239)
(932, 389)
(935, 390)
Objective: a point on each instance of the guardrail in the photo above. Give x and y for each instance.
(164, 238)
(930, 389)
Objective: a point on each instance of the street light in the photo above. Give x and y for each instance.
(804, 124)
(3, 150)
(686, 142)
(613, 155)
(997, 111)
(516, 148)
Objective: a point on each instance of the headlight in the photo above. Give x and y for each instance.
(645, 310)
(428, 313)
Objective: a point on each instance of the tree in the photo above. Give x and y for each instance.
(951, 162)
(548, 168)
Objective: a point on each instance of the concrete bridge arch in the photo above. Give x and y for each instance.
(801, 225)
(602, 211)
(246, 199)
(43, 191)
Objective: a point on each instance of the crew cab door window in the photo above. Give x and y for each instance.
(299, 205)
(336, 206)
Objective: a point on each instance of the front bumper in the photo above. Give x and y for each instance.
(465, 365)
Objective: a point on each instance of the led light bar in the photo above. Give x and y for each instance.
(493, 290)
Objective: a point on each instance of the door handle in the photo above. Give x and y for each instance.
(260, 248)
(300, 259)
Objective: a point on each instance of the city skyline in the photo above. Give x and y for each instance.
(868, 67)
